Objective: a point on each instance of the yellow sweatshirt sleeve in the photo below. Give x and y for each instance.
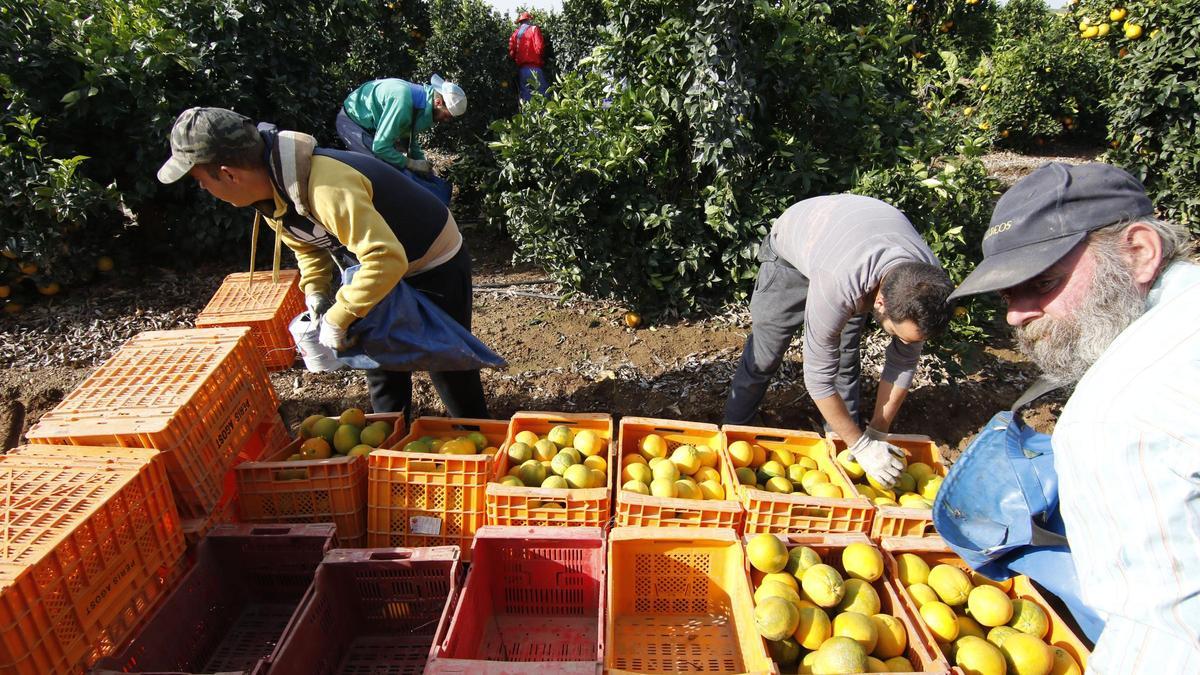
(341, 200)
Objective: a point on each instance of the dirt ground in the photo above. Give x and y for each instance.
(570, 355)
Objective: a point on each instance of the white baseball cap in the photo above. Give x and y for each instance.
(452, 94)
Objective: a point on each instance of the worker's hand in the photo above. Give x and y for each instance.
(317, 304)
(332, 336)
(880, 459)
(421, 167)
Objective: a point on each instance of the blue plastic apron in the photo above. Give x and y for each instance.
(998, 509)
(407, 331)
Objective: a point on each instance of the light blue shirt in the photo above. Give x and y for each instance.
(1127, 454)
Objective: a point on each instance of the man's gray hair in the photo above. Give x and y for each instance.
(1177, 240)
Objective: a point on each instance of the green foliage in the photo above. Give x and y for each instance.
(1154, 112)
(571, 34)
(469, 45)
(45, 207)
(653, 177)
(107, 80)
(1041, 81)
(962, 27)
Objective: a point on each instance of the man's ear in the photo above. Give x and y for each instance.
(879, 303)
(1143, 250)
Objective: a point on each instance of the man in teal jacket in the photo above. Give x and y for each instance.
(383, 118)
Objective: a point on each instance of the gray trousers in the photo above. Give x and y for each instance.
(777, 312)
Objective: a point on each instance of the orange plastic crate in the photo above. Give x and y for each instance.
(934, 551)
(427, 499)
(274, 490)
(90, 539)
(371, 611)
(195, 395)
(902, 521)
(231, 608)
(921, 650)
(679, 600)
(799, 513)
(266, 307)
(536, 507)
(533, 601)
(639, 510)
(270, 434)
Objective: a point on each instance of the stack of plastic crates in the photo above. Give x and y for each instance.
(533, 601)
(201, 397)
(371, 611)
(799, 513)
(638, 510)
(230, 610)
(266, 306)
(429, 499)
(91, 540)
(538, 506)
(334, 490)
(679, 600)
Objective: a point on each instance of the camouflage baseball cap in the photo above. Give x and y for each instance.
(202, 135)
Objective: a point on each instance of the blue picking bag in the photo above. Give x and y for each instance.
(998, 510)
(407, 331)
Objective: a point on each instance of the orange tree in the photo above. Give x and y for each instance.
(1040, 81)
(652, 176)
(106, 79)
(1154, 110)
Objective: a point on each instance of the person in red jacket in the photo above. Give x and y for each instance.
(526, 47)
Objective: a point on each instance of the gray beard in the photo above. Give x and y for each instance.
(1065, 348)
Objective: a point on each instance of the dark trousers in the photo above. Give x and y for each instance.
(777, 313)
(449, 286)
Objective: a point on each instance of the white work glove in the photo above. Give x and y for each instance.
(880, 459)
(421, 167)
(332, 336)
(317, 304)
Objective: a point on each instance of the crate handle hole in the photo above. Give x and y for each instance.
(428, 466)
(391, 555)
(665, 430)
(271, 530)
(770, 439)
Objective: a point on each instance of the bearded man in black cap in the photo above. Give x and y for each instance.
(1100, 295)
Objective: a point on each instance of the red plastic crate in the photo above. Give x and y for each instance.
(902, 521)
(935, 551)
(921, 649)
(799, 513)
(195, 395)
(679, 601)
(427, 499)
(638, 510)
(89, 538)
(230, 610)
(539, 507)
(274, 490)
(265, 306)
(533, 601)
(371, 611)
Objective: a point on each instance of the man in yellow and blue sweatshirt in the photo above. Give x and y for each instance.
(337, 209)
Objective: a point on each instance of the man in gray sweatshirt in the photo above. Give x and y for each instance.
(827, 263)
